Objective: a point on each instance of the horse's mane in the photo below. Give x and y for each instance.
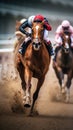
(20, 36)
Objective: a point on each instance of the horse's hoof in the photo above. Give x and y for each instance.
(27, 105)
(31, 114)
(27, 102)
(63, 91)
(67, 100)
(34, 113)
(59, 96)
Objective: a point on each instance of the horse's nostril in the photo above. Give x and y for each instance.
(36, 45)
(67, 49)
(33, 43)
(39, 43)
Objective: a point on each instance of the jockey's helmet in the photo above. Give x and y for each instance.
(31, 19)
(39, 17)
(65, 23)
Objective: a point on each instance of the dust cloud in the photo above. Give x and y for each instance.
(11, 91)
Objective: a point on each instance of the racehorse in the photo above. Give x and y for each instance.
(64, 65)
(34, 63)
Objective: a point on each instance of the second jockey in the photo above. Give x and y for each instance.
(28, 23)
(64, 27)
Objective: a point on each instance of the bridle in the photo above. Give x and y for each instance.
(37, 35)
(66, 42)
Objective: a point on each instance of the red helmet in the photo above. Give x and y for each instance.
(39, 17)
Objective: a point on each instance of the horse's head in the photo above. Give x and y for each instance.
(37, 35)
(66, 42)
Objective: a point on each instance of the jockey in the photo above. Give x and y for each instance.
(28, 23)
(66, 27)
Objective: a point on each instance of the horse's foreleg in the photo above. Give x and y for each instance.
(28, 76)
(63, 86)
(68, 84)
(60, 76)
(34, 68)
(35, 95)
(57, 72)
(20, 69)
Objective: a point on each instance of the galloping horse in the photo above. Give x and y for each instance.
(34, 63)
(64, 65)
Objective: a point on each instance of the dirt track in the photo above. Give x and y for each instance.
(20, 122)
(53, 114)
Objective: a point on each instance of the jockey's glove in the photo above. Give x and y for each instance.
(28, 34)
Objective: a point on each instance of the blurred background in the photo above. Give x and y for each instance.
(54, 10)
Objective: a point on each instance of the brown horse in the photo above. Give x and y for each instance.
(34, 63)
(64, 65)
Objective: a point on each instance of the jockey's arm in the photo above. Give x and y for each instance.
(47, 25)
(58, 39)
(23, 26)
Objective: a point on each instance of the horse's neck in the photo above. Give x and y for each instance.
(36, 53)
(39, 52)
(66, 56)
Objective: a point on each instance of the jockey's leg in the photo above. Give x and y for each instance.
(24, 45)
(50, 48)
(48, 43)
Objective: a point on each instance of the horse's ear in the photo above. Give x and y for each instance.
(18, 22)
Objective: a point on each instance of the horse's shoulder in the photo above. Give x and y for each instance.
(58, 54)
(28, 51)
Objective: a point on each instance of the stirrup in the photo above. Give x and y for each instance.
(20, 51)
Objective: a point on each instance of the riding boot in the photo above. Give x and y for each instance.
(50, 48)
(23, 47)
